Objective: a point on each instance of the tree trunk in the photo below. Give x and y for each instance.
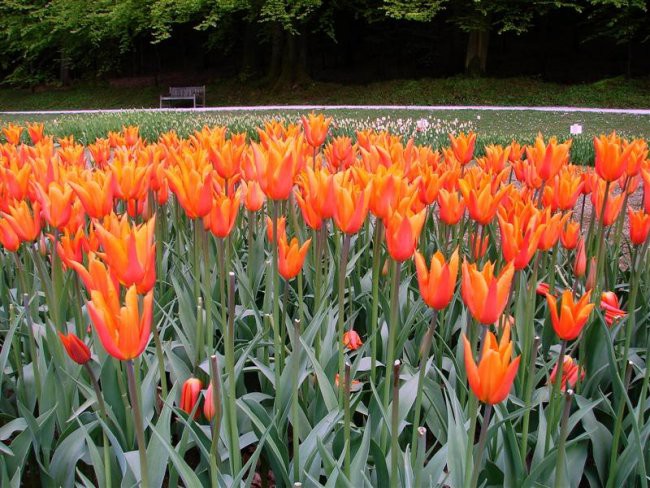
(288, 66)
(64, 68)
(628, 62)
(247, 69)
(477, 52)
(276, 52)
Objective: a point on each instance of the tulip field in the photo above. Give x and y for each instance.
(292, 307)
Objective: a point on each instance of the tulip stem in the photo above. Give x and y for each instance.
(601, 241)
(554, 393)
(394, 434)
(346, 422)
(102, 413)
(528, 393)
(235, 453)
(613, 466)
(295, 420)
(374, 313)
(561, 448)
(139, 423)
(472, 411)
(392, 326)
(421, 454)
(276, 288)
(631, 304)
(301, 311)
(481, 444)
(341, 317)
(33, 351)
(424, 356)
(216, 419)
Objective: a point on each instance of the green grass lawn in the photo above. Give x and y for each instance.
(615, 92)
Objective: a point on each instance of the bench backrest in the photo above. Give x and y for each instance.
(188, 91)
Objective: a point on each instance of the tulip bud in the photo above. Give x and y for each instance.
(76, 349)
(208, 405)
(351, 340)
(190, 395)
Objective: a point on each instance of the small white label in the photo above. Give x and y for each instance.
(575, 129)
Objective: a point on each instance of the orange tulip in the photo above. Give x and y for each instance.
(437, 284)
(485, 294)
(254, 196)
(132, 175)
(340, 153)
(492, 379)
(95, 191)
(223, 216)
(573, 315)
(70, 247)
(549, 158)
(282, 226)
(100, 151)
(481, 201)
(351, 340)
(123, 330)
(56, 203)
(192, 185)
(570, 234)
(543, 288)
(611, 158)
(478, 245)
(516, 151)
(13, 133)
(8, 237)
(452, 207)
(351, 203)
(35, 132)
(429, 184)
(402, 234)
(75, 347)
(190, 395)
(567, 187)
(463, 146)
(209, 408)
(638, 154)
(291, 257)
(570, 372)
(315, 127)
(613, 205)
(227, 158)
(130, 251)
(495, 158)
(639, 226)
(277, 167)
(552, 228)
(645, 174)
(611, 306)
(315, 196)
(520, 237)
(25, 223)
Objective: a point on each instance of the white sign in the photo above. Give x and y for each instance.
(575, 129)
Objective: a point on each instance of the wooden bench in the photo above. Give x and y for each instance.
(194, 94)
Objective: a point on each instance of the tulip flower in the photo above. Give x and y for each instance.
(95, 191)
(291, 256)
(452, 207)
(315, 196)
(132, 176)
(190, 395)
(437, 284)
(485, 294)
(573, 315)
(549, 158)
(282, 225)
(351, 340)
(478, 245)
(209, 408)
(611, 158)
(254, 197)
(355, 385)
(645, 174)
(552, 228)
(519, 239)
(130, 251)
(223, 216)
(56, 203)
(123, 330)
(8, 237)
(570, 372)
(542, 288)
(495, 158)
(463, 146)
(227, 158)
(13, 133)
(351, 203)
(402, 233)
(35, 132)
(639, 226)
(70, 246)
(340, 154)
(613, 204)
(192, 185)
(100, 151)
(610, 305)
(25, 223)
(570, 235)
(492, 379)
(75, 347)
(565, 191)
(277, 166)
(315, 127)
(481, 201)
